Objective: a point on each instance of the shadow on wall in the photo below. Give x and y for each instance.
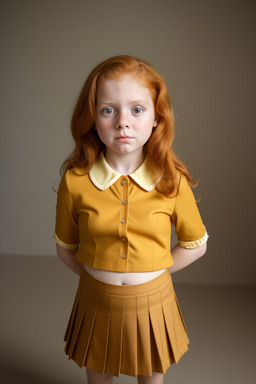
(36, 294)
(13, 374)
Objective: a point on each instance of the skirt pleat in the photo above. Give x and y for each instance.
(74, 328)
(176, 331)
(84, 337)
(133, 330)
(114, 352)
(155, 312)
(129, 344)
(100, 335)
(144, 361)
(71, 320)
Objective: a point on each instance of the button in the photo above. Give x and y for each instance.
(123, 239)
(123, 221)
(123, 256)
(123, 182)
(124, 202)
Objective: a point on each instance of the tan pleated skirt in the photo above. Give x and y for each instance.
(126, 329)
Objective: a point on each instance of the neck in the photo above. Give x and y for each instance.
(125, 164)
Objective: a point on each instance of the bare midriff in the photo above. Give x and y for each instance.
(123, 278)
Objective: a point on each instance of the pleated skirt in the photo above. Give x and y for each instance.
(126, 329)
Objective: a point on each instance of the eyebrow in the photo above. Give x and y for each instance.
(134, 102)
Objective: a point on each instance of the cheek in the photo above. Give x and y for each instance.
(149, 133)
(150, 128)
(102, 125)
(104, 131)
(146, 131)
(147, 126)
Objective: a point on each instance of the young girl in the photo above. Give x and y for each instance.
(121, 191)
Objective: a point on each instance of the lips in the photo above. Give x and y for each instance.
(124, 138)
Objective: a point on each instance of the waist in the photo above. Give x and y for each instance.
(122, 278)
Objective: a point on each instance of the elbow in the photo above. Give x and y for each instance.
(58, 249)
(61, 252)
(202, 249)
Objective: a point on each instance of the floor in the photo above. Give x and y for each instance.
(37, 293)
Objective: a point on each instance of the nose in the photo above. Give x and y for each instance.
(122, 121)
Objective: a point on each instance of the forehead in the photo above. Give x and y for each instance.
(125, 85)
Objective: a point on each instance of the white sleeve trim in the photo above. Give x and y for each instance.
(65, 245)
(194, 244)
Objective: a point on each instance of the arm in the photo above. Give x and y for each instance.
(182, 257)
(68, 258)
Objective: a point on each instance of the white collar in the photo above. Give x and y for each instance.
(103, 176)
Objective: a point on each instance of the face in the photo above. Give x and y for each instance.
(125, 116)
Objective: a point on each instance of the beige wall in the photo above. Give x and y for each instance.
(206, 52)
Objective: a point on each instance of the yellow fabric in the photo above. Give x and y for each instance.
(103, 176)
(126, 329)
(194, 244)
(64, 245)
(122, 222)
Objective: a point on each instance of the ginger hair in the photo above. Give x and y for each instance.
(165, 166)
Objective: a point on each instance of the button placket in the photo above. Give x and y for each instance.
(124, 219)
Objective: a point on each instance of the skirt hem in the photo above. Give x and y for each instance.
(118, 331)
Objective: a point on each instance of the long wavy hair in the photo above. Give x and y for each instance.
(165, 166)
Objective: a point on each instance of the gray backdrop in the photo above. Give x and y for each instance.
(206, 52)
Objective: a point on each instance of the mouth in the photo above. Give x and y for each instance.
(124, 138)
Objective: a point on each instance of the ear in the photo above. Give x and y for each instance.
(155, 124)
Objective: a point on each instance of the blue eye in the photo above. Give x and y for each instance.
(108, 110)
(137, 110)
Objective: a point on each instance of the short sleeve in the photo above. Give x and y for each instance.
(186, 218)
(66, 228)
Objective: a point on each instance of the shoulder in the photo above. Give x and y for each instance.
(180, 185)
(75, 172)
(184, 188)
(73, 178)
(183, 183)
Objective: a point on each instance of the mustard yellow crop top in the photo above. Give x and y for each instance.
(122, 223)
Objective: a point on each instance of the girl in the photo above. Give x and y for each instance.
(121, 191)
